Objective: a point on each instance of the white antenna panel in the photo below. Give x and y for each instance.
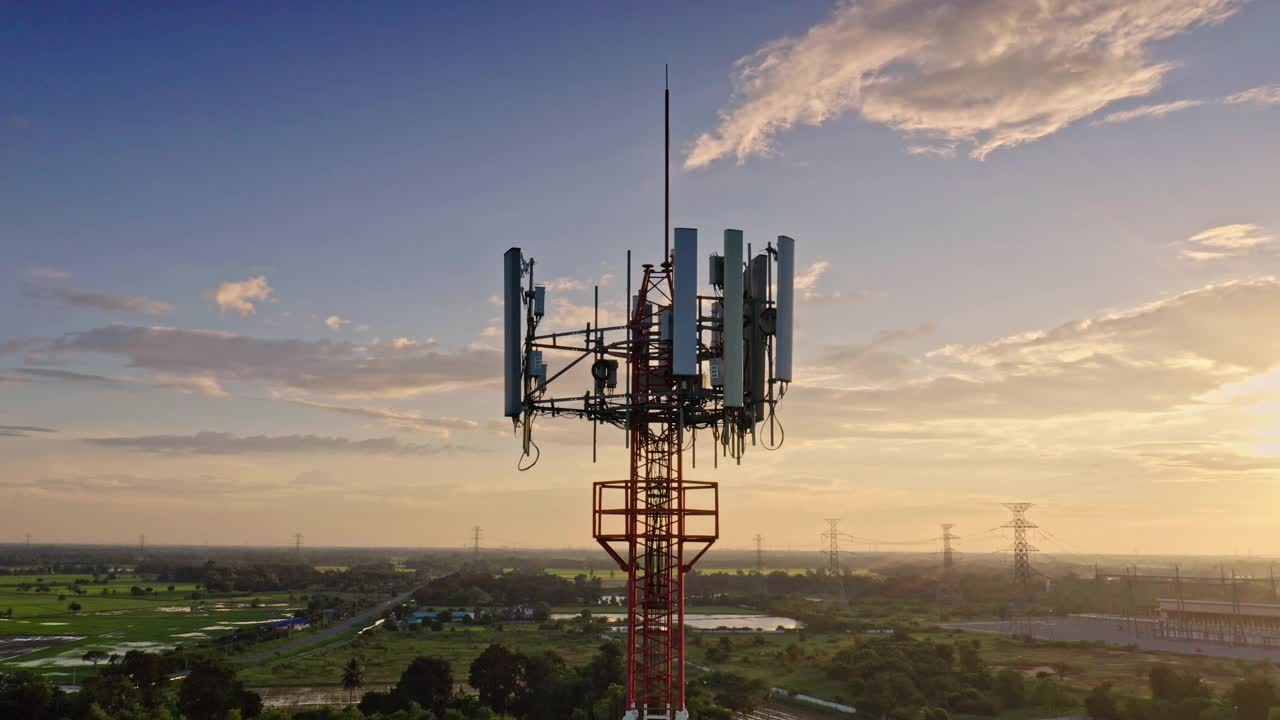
(684, 306)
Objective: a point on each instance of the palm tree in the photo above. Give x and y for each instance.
(352, 678)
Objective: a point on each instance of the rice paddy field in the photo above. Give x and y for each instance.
(386, 654)
(40, 630)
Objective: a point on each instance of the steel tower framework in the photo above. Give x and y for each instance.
(660, 538)
(690, 365)
(832, 536)
(1021, 548)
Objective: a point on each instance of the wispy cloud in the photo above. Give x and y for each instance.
(239, 297)
(334, 322)
(68, 376)
(44, 272)
(877, 360)
(192, 385)
(99, 301)
(990, 74)
(1224, 241)
(807, 284)
(220, 443)
(1148, 111)
(400, 368)
(23, 430)
(397, 418)
(1263, 95)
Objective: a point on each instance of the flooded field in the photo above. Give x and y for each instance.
(12, 646)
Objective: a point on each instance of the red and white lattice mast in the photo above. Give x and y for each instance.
(719, 363)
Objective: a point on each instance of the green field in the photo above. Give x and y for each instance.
(118, 620)
(386, 654)
(1086, 665)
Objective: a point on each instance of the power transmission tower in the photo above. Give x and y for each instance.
(759, 554)
(475, 543)
(1021, 548)
(832, 536)
(142, 547)
(29, 548)
(297, 544)
(948, 588)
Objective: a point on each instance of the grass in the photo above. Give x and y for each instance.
(1087, 664)
(119, 620)
(386, 654)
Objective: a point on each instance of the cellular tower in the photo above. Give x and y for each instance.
(717, 362)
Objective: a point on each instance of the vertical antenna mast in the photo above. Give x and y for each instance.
(666, 164)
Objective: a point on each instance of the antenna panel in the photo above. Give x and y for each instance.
(684, 323)
(512, 331)
(786, 308)
(539, 300)
(732, 319)
(756, 358)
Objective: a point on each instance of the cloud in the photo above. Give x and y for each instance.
(1224, 241)
(240, 296)
(807, 283)
(220, 443)
(11, 380)
(876, 361)
(68, 376)
(989, 74)
(99, 301)
(399, 369)
(1264, 95)
(439, 426)
(1153, 358)
(564, 283)
(23, 430)
(45, 272)
(1209, 457)
(333, 322)
(193, 385)
(1148, 111)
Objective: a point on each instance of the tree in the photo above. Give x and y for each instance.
(1101, 704)
(113, 692)
(1011, 688)
(737, 693)
(1253, 697)
(497, 674)
(25, 694)
(352, 677)
(95, 656)
(427, 681)
(211, 691)
(74, 607)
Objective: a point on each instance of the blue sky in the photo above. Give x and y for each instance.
(373, 164)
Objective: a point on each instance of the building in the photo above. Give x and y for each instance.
(1219, 621)
(427, 616)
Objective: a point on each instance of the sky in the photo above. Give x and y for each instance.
(251, 257)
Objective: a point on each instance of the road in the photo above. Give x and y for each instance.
(321, 636)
